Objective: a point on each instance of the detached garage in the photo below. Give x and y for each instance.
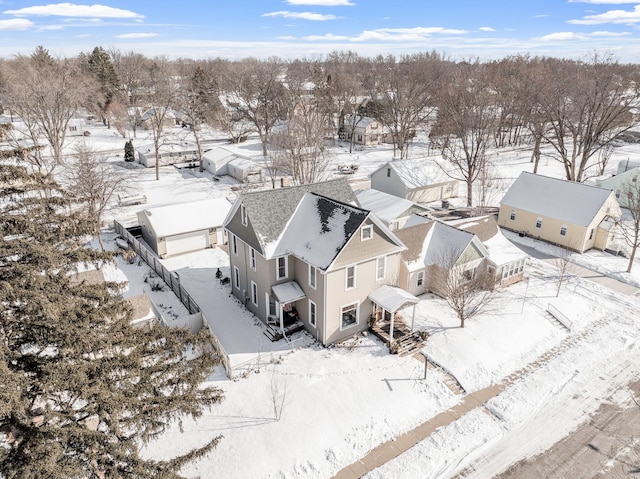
(185, 227)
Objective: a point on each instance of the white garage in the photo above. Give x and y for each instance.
(185, 227)
(185, 242)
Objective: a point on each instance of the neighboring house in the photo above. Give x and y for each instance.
(364, 130)
(418, 180)
(169, 154)
(171, 118)
(185, 227)
(506, 261)
(222, 161)
(395, 212)
(76, 127)
(432, 250)
(620, 183)
(308, 253)
(574, 215)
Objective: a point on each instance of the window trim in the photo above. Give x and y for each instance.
(234, 244)
(538, 222)
(563, 230)
(313, 284)
(368, 228)
(243, 215)
(512, 215)
(384, 267)
(252, 259)
(420, 279)
(346, 277)
(286, 267)
(236, 277)
(356, 306)
(254, 293)
(313, 313)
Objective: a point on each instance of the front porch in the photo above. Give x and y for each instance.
(388, 325)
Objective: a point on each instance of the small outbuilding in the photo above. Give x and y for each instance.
(417, 180)
(222, 161)
(185, 227)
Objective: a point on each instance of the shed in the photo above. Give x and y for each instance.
(225, 161)
(418, 180)
(185, 227)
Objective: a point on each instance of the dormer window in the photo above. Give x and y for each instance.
(243, 215)
(366, 233)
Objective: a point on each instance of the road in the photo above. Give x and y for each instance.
(604, 447)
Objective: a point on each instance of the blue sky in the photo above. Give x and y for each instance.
(487, 29)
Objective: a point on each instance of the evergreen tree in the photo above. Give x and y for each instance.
(129, 152)
(100, 65)
(82, 389)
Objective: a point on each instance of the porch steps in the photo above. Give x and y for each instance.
(408, 344)
(275, 334)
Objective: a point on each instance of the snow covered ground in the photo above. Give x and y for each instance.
(339, 403)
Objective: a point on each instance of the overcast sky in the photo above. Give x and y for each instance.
(460, 29)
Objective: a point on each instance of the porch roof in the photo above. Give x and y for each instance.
(392, 299)
(287, 292)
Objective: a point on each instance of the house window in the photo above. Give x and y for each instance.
(312, 313)
(563, 230)
(591, 234)
(234, 244)
(420, 279)
(539, 223)
(312, 277)
(282, 266)
(349, 315)
(236, 277)
(512, 215)
(394, 226)
(388, 172)
(617, 193)
(243, 215)
(366, 232)
(254, 293)
(449, 187)
(360, 138)
(381, 264)
(351, 277)
(252, 259)
(73, 128)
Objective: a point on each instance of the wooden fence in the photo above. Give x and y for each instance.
(173, 281)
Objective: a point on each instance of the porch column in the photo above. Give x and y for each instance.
(391, 327)
(413, 316)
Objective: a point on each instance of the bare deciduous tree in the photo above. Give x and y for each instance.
(257, 94)
(564, 267)
(46, 93)
(92, 182)
(631, 228)
(130, 68)
(587, 105)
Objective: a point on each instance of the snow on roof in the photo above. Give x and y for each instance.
(417, 173)
(187, 217)
(168, 148)
(221, 154)
(270, 210)
(318, 230)
(244, 164)
(575, 203)
(391, 298)
(359, 121)
(433, 243)
(386, 207)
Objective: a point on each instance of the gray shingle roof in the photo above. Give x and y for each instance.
(270, 210)
(575, 203)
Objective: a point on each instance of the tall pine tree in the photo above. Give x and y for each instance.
(82, 389)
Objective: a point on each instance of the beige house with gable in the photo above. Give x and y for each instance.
(566, 213)
(309, 255)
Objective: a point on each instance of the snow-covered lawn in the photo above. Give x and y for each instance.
(340, 402)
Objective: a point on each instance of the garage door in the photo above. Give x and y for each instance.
(186, 242)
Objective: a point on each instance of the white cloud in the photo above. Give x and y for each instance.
(321, 3)
(137, 35)
(562, 36)
(15, 24)
(318, 17)
(330, 37)
(612, 16)
(73, 10)
(487, 29)
(609, 34)
(405, 34)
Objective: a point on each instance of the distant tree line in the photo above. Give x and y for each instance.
(574, 108)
